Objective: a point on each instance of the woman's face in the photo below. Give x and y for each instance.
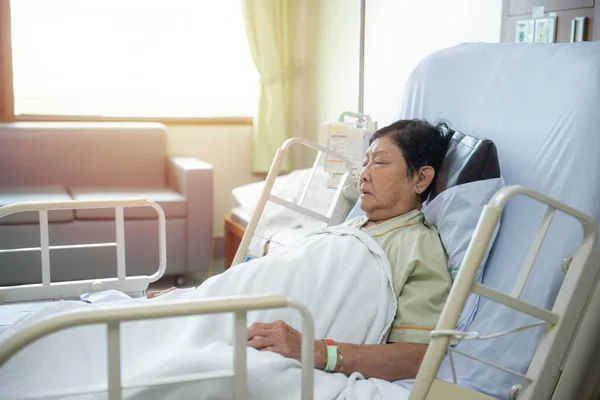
(386, 189)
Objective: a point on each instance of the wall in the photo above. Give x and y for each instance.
(330, 64)
(398, 35)
(328, 45)
(228, 148)
(566, 10)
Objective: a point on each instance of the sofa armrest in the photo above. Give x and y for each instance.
(193, 178)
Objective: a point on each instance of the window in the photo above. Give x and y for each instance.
(131, 58)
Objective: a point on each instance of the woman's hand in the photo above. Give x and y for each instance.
(278, 337)
(152, 295)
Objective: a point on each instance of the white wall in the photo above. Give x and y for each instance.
(228, 148)
(398, 35)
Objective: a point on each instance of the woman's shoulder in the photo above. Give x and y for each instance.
(417, 230)
(429, 234)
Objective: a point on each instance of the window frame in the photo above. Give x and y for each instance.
(7, 105)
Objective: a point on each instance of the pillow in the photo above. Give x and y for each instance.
(289, 187)
(455, 213)
(468, 159)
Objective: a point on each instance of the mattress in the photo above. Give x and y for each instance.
(10, 313)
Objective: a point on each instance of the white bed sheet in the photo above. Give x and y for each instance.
(271, 234)
(354, 313)
(11, 313)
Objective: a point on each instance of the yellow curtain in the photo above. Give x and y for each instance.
(270, 27)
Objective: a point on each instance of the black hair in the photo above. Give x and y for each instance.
(421, 144)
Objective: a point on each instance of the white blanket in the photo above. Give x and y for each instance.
(339, 273)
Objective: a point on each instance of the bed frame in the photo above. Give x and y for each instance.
(233, 232)
(48, 290)
(561, 368)
(51, 291)
(344, 199)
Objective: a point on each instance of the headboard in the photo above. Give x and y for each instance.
(539, 103)
(468, 159)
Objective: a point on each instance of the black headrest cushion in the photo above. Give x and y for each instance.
(467, 159)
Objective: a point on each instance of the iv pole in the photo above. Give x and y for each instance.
(363, 121)
(361, 59)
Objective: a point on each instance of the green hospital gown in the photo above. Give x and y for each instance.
(419, 270)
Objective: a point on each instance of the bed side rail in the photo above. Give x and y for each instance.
(114, 387)
(562, 321)
(58, 290)
(344, 198)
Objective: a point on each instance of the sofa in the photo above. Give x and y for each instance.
(55, 161)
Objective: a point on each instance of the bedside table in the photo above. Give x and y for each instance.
(234, 228)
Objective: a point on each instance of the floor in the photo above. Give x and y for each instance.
(191, 280)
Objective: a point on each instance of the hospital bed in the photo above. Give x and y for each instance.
(535, 333)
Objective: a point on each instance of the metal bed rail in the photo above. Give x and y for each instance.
(112, 318)
(58, 290)
(344, 198)
(562, 321)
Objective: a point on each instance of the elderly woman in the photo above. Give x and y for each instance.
(398, 172)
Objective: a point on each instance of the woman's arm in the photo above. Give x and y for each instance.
(391, 361)
(154, 294)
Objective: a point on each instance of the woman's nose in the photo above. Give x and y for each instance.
(363, 175)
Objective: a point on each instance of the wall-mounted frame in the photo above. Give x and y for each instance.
(545, 30)
(578, 26)
(524, 31)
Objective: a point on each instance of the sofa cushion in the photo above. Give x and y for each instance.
(34, 193)
(173, 203)
(83, 154)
